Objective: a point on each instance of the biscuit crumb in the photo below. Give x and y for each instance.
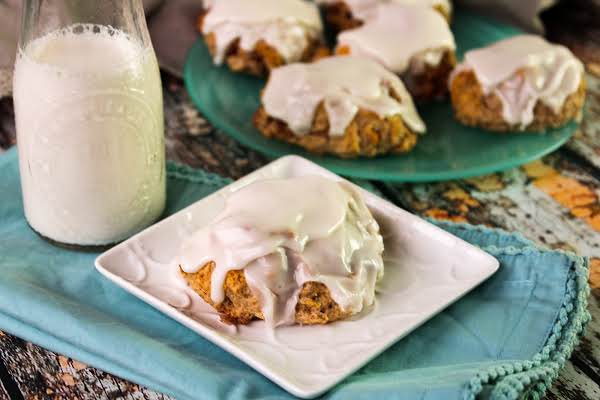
(473, 108)
(367, 135)
(315, 305)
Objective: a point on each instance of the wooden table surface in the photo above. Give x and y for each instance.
(554, 201)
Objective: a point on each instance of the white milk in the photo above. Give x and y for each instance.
(88, 104)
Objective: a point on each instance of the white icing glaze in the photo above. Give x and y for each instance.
(367, 9)
(286, 25)
(400, 35)
(522, 70)
(344, 84)
(285, 232)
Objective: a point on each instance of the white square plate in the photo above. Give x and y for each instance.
(426, 269)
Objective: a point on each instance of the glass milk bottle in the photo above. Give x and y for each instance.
(88, 105)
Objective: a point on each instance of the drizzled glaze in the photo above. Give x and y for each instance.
(522, 70)
(400, 35)
(286, 25)
(285, 232)
(367, 9)
(343, 84)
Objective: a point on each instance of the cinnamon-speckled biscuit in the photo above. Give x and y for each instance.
(341, 105)
(263, 57)
(473, 108)
(315, 305)
(367, 135)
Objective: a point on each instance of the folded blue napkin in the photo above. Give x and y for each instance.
(507, 338)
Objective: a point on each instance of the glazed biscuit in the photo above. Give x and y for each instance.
(255, 37)
(342, 15)
(240, 306)
(413, 42)
(522, 83)
(263, 57)
(343, 105)
(296, 250)
(368, 135)
(474, 108)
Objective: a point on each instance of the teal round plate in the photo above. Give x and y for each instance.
(448, 150)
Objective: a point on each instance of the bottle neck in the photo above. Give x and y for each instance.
(40, 17)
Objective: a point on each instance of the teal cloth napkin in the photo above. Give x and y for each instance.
(507, 338)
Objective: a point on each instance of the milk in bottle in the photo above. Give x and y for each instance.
(88, 104)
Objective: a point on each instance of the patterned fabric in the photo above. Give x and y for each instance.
(507, 338)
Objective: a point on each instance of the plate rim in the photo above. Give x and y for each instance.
(225, 344)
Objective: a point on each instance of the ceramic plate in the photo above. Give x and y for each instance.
(426, 269)
(449, 150)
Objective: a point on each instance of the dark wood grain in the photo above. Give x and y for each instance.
(586, 142)
(191, 140)
(580, 379)
(8, 387)
(7, 124)
(3, 393)
(576, 24)
(41, 374)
